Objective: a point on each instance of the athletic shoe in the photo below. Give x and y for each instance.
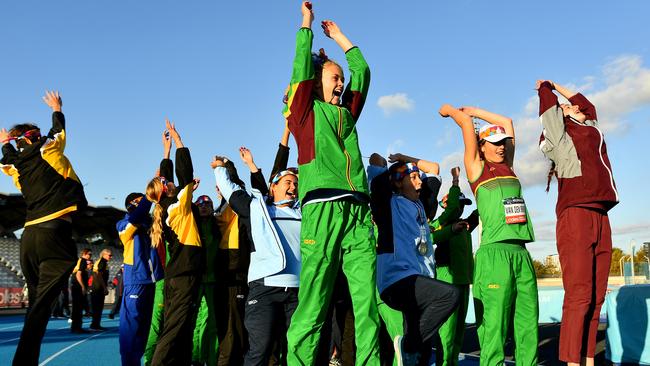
(70, 321)
(97, 329)
(111, 316)
(335, 361)
(404, 358)
(79, 331)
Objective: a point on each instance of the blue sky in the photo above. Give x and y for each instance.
(218, 69)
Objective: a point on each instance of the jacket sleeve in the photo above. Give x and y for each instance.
(167, 169)
(237, 198)
(9, 157)
(380, 196)
(281, 160)
(585, 107)
(126, 231)
(56, 136)
(452, 211)
(299, 97)
(472, 220)
(180, 217)
(184, 169)
(357, 90)
(429, 194)
(140, 215)
(258, 182)
(552, 118)
(442, 235)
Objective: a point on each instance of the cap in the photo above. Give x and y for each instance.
(492, 133)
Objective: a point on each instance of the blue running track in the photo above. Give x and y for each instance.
(62, 348)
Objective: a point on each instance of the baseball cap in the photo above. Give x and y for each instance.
(492, 133)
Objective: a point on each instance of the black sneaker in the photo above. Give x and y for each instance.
(78, 331)
(97, 329)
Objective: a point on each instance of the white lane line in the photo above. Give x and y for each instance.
(14, 326)
(15, 339)
(10, 340)
(47, 360)
(65, 327)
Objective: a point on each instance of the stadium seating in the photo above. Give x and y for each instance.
(11, 273)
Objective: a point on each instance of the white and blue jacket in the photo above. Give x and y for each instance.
(275, 255)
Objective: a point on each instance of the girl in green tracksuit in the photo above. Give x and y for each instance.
(505, 286)
(336, 230)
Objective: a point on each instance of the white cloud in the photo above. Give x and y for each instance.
(625, 87)
(394, 147)
(395, 102)
(642, 227)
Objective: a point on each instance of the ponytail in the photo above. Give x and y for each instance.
(551, 173)
(154, 192)
(155, 232)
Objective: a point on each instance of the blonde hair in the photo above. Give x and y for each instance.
(154, 192)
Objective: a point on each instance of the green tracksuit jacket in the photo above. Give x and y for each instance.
(328, 146)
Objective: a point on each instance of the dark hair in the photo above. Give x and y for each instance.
(551, 173)
(20, 129)
(232, 174)
(391, 172)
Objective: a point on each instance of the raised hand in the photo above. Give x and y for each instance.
(246, 155)
(330, 29)
(4, 136)
(171, 127)
(167, 143)
(393, 158)
(459, 226)
(445, 110)
(455, 172)
(53, 100)
(218, 161)
(539, 83)
(197, 182)
(377, 160)
(307, 14)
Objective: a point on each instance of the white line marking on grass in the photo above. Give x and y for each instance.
(47, 360)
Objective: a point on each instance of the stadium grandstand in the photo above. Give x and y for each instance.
(93, 227)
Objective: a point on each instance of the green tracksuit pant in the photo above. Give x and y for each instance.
(453, 330)
(205, 346)
(393, 320)
(335, 234)
(505, 290)
(156, 322)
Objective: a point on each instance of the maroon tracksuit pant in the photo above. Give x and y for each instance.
(584, 243)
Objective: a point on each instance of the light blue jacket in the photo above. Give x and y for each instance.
(268, 257)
